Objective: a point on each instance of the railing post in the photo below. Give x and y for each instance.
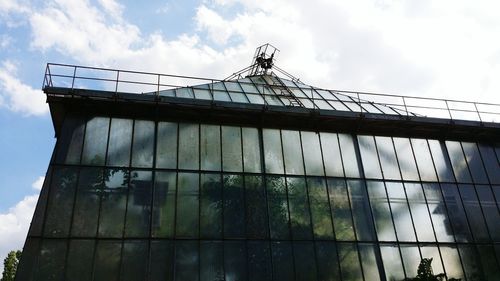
(406, 108)
(117, 79)
(74, 76)
(477, 111)
(158, 89)
(359, 103)
(448, 108)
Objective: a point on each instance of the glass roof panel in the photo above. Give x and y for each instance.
(322, 104)
(167, 93)
(337, 105)
(325, 94)
(248, 87)
(202, 94)
(233, 86)
(255, 99)
(273, 100)
(221, 95)
(218, 86)
(370, 108)
(184, 93)
(238, 97)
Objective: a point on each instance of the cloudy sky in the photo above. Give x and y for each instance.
(441, 48)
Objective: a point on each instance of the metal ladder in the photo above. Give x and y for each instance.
(285, 92)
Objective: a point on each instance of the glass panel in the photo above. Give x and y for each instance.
(350, 156)
(186, 260)
(371, 261)
(471, 262)
(120, 139)
(424, 160)
(405, 158)
(361, 211)
(411, 259)
(490, 210)
(86, 209)
(238, 97)
(490, 267)
(320, 208)
(26, 269)
(217, 86)
(96, 138)
(233, 86)
(419, 212)
(388, 158)
(272, 151)
(107, 260)
(400, 212)
(392, 262)
(113, 203)
(458, 161)
(451, 261)
(441, 160)
(432, 252)
(292, 152)
(37, 222)
(234, 210)
(188, 146)
(211, 261)
(312, 154)
(142, 151)
(349, 262)
(251, 150)
(161, 260)
(231, 149)
(456, 213)
(322, 104)
(166, 145)
(256, 208)
(235, 260)
(60, 205)
(305, 263)
(184, 93)
(474, 212)
(369, 156)
(70, 140)
(79, 261)
(134, 260)
(300, 218)
(211, 206)
(491, 163)
(328, 262)
(51, 261)
(221, 96)
(210, 147)
(164, 205)
(139, 204)
(331, 155)
(187, 205)
(438, 213)
(475, 162)
(341, 210)
(256, 99)
(278, 208)
(282, 261)
(202, 94)
(259, 261)
(247, 86)
(381, 211)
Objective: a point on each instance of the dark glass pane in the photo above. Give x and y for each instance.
(294, 165)
(438, 213)
(235, 260)
(424, 160)
(189, 146)
(272, 151)
(166, 145)
(51, 260)
(471, 262)
(490, 163)
(60, 205)
(113, 203)
(381, 211)
(282, 261)
(388, 158)
(142, 152)
(26, 268)
(441, 161)
(210, 150)
(419, 212)
(256, 208)
(278, 208)
(328, 263)
(320, 208)
(162, 260)
(456, 212)
(120, 139)
(331, 155)
(234, 206)
(392, 262)
(134, 260)
(231, 149)
(475, 162)
(300, 218)
(139, 204)
(369, 156)
(79, 261)
(452, 264)
(400, 212)
(432, 252)
(371, 262)
(312, 154)
(490, 210)
(36, 227)
(164, 205)
(107, 260)
(349, 262)
(305, 263)
(341, 210)
(211, 261)
(259, 261)
(474, 212)
(411, 259)
(458, 161)
(96, 139)
(361, 211)
(211, 206)
(187, 205)
(251, 150)
(405, 158)
(186, 260)
(70, 140)
(86, 209)
(489, 262)
(350, 156)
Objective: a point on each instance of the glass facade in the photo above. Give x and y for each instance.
(132, 199)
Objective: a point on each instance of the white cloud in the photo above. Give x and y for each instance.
(14, 225)
(38, 183)
(17, 96)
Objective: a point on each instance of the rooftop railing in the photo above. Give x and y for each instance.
(117, 80)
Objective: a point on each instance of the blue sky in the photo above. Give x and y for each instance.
(446, 49)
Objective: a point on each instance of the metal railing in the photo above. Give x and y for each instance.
(117, 80)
